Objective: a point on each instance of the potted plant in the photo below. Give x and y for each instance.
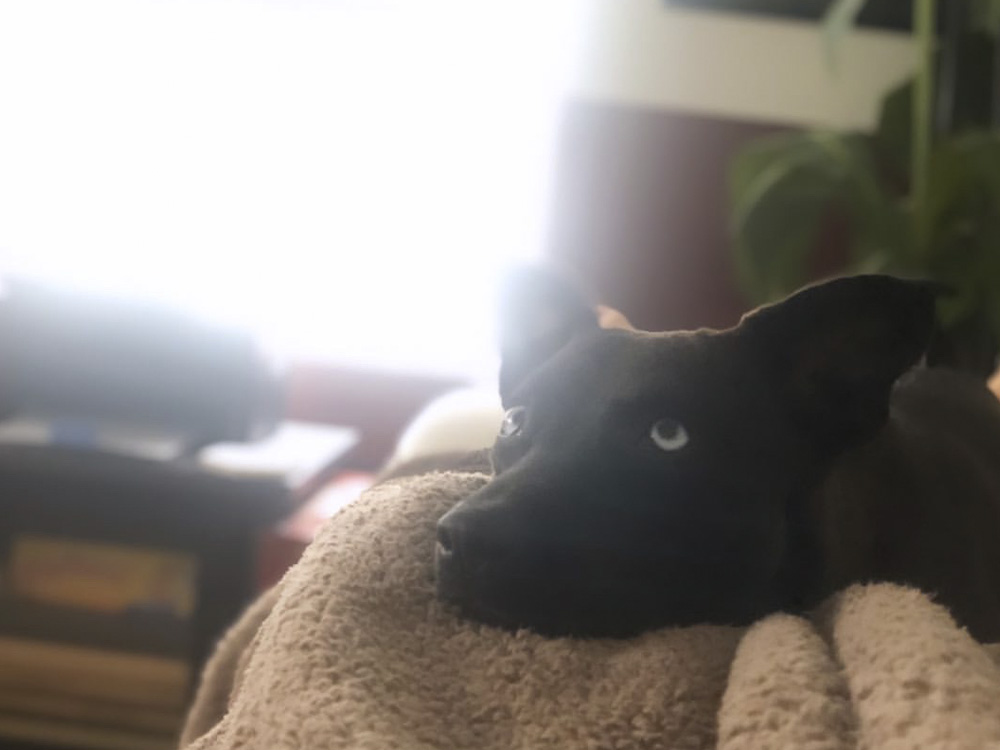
(919, 196)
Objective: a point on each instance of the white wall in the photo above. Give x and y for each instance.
(640, 52)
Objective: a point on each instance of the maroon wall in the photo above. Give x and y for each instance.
(640, 211)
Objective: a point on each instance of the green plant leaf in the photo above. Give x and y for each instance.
(965, 183)
(964, 220)
(783, 187)
(777, 199)
(839, 19)
(894, 133)
(985, 16)
(972, 89)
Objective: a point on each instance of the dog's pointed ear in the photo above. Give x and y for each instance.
(539, 313)
(836, 349)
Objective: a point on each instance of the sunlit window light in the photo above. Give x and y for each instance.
(348, 178)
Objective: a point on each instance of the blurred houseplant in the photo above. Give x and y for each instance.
(920, 196)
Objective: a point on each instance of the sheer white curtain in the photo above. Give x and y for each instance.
(346, 177)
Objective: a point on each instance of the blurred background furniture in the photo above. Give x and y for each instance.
(143, 456)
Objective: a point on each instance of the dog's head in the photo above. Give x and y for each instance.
(651, 479)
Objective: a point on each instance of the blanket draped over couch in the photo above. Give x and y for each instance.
(352, 650)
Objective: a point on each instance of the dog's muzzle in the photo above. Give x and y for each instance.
(456, 561)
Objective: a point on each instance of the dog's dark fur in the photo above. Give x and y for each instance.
(818, 453)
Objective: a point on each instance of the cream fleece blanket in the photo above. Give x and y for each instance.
(352, 650)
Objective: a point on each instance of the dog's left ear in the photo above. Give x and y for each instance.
(539, 313)
(835, 350)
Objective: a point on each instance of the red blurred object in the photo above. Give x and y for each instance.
(281, 547)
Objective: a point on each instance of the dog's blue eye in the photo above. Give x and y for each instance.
(513, 422)
(669, 435)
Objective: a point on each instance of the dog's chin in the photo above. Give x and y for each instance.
(559, 617)
(557, 613)
(539, 623)
(474, 604)
(600, 606)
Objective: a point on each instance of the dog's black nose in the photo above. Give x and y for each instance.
(465, 547)
(445, 541)
(449, 568)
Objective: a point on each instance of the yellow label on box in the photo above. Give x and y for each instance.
(111, 579)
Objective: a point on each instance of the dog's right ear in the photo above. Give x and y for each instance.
(834, 350)
(539, 314)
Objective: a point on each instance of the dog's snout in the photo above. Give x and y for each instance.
(445, 540)
(451, 569)
(467, 544)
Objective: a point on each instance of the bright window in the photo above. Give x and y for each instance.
(347, 177)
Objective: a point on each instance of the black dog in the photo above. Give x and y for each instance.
(653, 479)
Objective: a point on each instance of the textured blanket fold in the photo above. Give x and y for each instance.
(352, 650)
